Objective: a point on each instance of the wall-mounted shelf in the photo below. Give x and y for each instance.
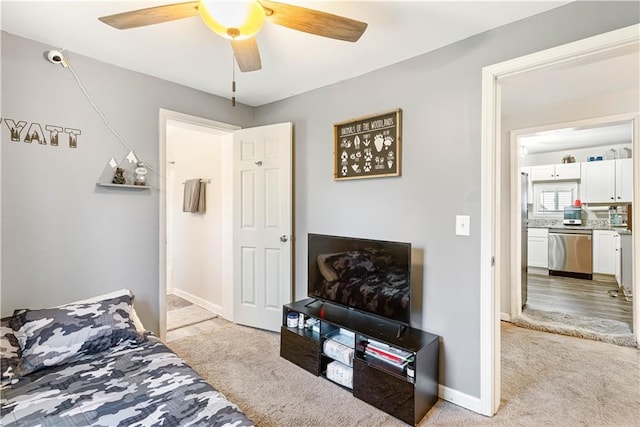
(133, 187)
(128, 163)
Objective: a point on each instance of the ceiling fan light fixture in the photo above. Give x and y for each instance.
(232, 19)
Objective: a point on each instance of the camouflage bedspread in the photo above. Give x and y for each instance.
(130, 384)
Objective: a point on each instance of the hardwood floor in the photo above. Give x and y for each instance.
(577, 296)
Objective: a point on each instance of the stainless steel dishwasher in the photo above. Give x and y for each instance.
(571, 252)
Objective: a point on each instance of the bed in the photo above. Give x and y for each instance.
(91, 363)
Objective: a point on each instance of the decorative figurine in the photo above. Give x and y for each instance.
(140, 173)
(118, 177)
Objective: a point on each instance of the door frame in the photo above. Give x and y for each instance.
(492, 229)
(516, 196)
(165, 116)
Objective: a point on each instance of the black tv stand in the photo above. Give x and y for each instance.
(401, 329)
(410, 389)
(312, 301)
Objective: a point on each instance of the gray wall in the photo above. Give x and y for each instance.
(63, 238)
(440, 94)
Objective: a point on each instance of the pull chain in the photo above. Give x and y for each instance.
(233, 83)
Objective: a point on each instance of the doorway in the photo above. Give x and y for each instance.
(196, 248)
(254, 209)
(194, 239)
(559, 162)
(495, 233)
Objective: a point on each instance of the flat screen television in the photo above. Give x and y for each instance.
(372, 276)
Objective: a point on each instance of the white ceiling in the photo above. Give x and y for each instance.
(572, 138)
(582, 80)
(188, 53)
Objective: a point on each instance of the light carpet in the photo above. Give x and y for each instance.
(607, 330)
(547, 380)
(186, 316)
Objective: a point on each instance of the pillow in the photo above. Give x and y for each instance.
(64, 334)
(134, 316)
(9, 353)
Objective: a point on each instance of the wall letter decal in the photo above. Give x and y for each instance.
(36, 134)
(73, 136)
(53, 134)
(16, 129)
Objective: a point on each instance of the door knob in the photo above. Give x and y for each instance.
(284, 238)
(259, 163)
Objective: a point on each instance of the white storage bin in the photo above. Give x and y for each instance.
(340, 373)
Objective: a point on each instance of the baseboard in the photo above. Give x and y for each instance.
(538, 270)
(505, 316)
(207, 305)
(611, 278)
(461, 399)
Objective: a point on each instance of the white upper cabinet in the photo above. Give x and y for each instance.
(562, 171)
(568, 171)
(598, 181)
(624, 180)
(543, 173)
(607, 181)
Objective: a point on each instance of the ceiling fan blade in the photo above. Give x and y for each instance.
(151, 15)
(247, 54)
(313, 21)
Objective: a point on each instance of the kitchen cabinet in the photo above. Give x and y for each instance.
(604, 251)
(617, 259)
(538, 247)
(607, 181)
(562, 171)
(624, 180)
(626, 261)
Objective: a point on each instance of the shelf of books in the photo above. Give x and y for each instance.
(392, 360)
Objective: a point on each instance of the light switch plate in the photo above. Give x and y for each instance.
(462, 225)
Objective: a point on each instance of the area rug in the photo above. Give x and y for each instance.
(185, 316)
(611, 331)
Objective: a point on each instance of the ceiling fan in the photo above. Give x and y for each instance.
(240, 21)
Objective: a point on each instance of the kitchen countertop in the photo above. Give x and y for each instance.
(591, 225)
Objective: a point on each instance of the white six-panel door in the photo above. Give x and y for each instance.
(262, 225)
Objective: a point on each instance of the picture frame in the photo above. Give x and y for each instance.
(368, 146)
